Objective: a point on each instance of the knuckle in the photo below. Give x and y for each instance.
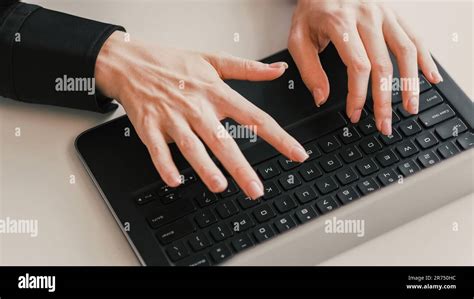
(259, 118)
(407, 49)
(187, 143)
(361, 65)
(383, 67)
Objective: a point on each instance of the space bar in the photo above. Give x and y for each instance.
(307, 130)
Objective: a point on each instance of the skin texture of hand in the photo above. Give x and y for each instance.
(175, 95)
(362, 32)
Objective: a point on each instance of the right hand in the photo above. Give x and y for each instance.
(175, 95)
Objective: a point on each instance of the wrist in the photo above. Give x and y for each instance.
(107, 69)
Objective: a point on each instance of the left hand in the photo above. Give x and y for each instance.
(361, 32)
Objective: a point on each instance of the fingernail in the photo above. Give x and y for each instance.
(387, 127)
(255, 190)
(356, 115)
(299, 154)
(437, 77)
(318, 96)
(277, 65)
(413, 105)
(218, 183)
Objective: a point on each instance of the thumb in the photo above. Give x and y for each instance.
(232, 67)
(307, 60)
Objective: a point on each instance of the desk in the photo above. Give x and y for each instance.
(75, 226)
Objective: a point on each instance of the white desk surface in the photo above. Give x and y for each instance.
(75, 226)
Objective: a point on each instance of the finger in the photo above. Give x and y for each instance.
(425, 61)
(195, 153)
(382, 70)
(306, 57)
(406, 53)
(160, 153)
(226, 150)
(351, 49)
(231, 67)
(246, 113)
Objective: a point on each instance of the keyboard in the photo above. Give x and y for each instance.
(196, 227)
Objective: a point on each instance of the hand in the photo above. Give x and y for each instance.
(361, 32)
(174, 95)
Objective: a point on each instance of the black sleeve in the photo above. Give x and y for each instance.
(48, 57)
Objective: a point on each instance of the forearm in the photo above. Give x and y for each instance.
(40, 48)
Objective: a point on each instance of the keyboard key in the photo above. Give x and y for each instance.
(396, 96)
(226, 209)
(426, 140)
(367, 186)
(326, 185)
(241, 222)
(164, 189)
(270, 190)
(391, 139)
(169, 198)
(288, 164)
(171, 212)
(407, 148)
(284, 223)
(350, 154)
(205, 218)
(367, 166)
(429, 99)
(290, 181)
(370, 145)
(386, 158)
(424, 84)
(408, 168)
(231, 188)
(175, 231)
(242, 242)
(451, 128)
(466, 141)
(330, 163)
(436, 115)
(220, 232)
(309, 171)
(263, 233)
(387, 176)
(268, 170)
(198, 242)
(346, 176)
(246, 202)
(205, 198)
(409, 127)
(284, 203)
(305, 194)
(220, 253)
(326, 204)
(194, 261)
(426, 101)
(305, 213)
(347, 194)
(329, 144)
(177, 251)
(145, 197)
(447, 150)
(428, 159)
(263, 213)
(312, 151)
(367, 126)
(349, 135)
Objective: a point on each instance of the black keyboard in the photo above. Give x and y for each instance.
(196, 227)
